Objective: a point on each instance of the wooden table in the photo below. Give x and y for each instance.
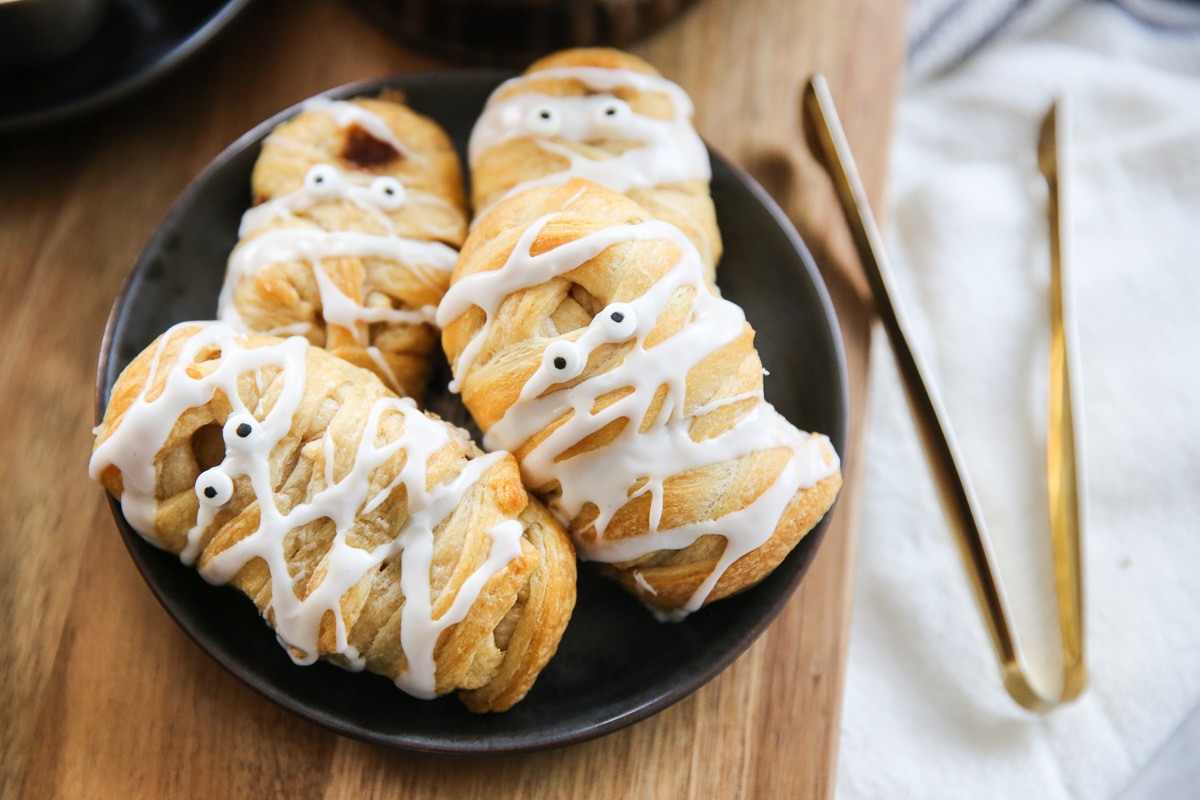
(102, 695)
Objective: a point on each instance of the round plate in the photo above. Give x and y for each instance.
(616, 664)
(137, 42)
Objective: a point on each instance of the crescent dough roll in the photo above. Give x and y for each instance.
(602, 115)
(585, 341)
(366, 532)
(359, 209)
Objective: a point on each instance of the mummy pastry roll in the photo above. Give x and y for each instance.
(585, 340)
(602, 115)
(359, 209)
(366, 532)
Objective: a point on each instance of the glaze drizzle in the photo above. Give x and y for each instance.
(251, 435)
(669, 150)
(649, 449)
(264, 241)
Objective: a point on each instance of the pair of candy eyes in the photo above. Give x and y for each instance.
(214, 487)
(546, 119)
(618, 322)
(324, 180)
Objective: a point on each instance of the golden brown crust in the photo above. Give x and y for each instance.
(687, 205)
(518, 618)
(676, 578)
(313, 137)
(285, 293)
(528, 320)
(606, 57)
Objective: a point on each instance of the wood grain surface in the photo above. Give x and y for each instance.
(101, 695)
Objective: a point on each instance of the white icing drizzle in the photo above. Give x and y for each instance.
(603, 477)
(377, 196)
(313, 245)
(384, 370)
(294, 329)
(671, 150)
(345, 114)
(251, 436)
(643, 584)
(364, 191)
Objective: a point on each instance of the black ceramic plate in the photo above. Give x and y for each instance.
(615, 665)
(137, 42)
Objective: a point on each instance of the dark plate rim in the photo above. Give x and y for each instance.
(184, 48)
(477, 747)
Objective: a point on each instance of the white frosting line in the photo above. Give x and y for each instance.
(607, 79)
(384, 369)
(345, 114)
(643, 584)
(314, 245)
(356, 189)
(603, 477)
(351, 186)
(377, 196)
(670, 152)
(133, 447)
(294, 329)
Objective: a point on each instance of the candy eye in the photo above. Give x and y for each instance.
(613, 114)
(618, 321)
(323, 180)
(510, 116)
(544, 120)
(563, 360)
(240, 432)
(388, 193)
(214, 488)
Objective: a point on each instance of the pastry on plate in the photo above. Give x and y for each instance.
(367, 532)
(358, 211)
(585, 340)
(606, 116)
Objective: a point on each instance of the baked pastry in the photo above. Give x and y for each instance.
(359, 209)
(585, 340)
(366, 532)
(606, 116)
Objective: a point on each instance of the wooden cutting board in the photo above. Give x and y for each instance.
(102, 695)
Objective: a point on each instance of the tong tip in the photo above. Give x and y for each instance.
(814, 104)
(1047, 146)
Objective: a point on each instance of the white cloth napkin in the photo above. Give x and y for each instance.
(925, 715)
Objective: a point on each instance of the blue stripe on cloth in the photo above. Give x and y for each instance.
(919, 40)
(1165, 16)
(991, 32)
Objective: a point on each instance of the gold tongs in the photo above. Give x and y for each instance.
(828, 142)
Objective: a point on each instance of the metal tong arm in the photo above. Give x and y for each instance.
(829, 145)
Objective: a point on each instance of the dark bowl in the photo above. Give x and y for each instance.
(616, 664)
(136, 42)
